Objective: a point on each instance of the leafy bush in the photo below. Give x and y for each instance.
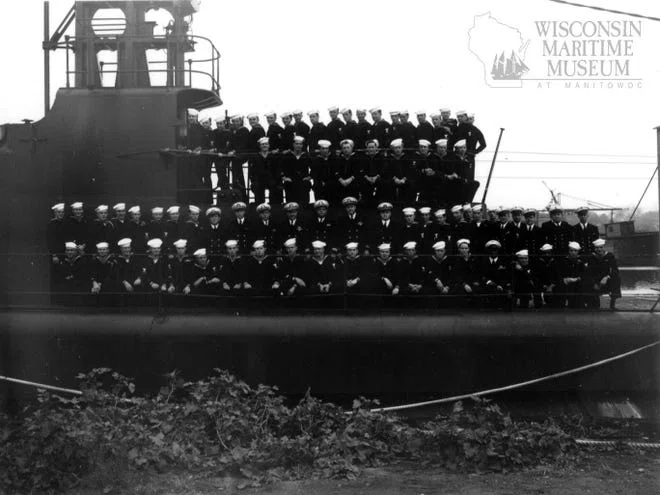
(222, 425)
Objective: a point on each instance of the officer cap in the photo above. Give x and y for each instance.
(441, 142)
(333, 109)
(349, 200)
(252, 115)
(439, 245)
(384, 246)
(410, 245)
(502, 211)
(409, 211)
(385, 206)
(180, 243)
(124, 242)
(461, 143)
(213, 210)
(424, 142)
(546, 247)
(290, 242)
(321, 203)
(515, 209)
(555, 208)
(157, 209)
(375, 110)
(298, 139)
(231, 243)
(493, 243)
(425, 210)
(530, 212)
(598, 242)
(445, 109)
(318, 244)
(193, 209)
(324, 143)
(102, 245)
(352, 245)
(581, 209)
(155, 243)
(440, 213)
(346, 141)
(134, 209)
(119, 207)
(263, 207)
(456, 208)
(258, 244)
(522, 253)
(200, 252)
(173, 209)
(238, 206)
(574, 245)
(57, 207)
(292, 206)
(76, 205)
(396, 142)
(70, 245)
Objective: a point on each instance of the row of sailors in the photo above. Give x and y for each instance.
(515, 228)
(553, 281)
(237, 138)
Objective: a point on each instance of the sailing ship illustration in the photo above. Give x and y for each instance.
(508, 67)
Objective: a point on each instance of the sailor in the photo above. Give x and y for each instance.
(381, 130)
(386, 230)
(441, 230)
(439, 270)
(77, 228)
(364, 130)
(136, 229)
(439, 131)
(556, 232)
(220, 142)
(447, 122)
(120, 223)
(351, 224)
(495, 276)
(407, 131)
(204, 277)
(322, 170)
(584, 233)
(350, 126)
(193, 230)
(322, 228)
(474, 138)
(482, 230)
(546, 274)
(424, 129)
(603, 275)
(412, 270)
(239, 146)
(180, 267)
(529, 237)
(464, 168)
(173, 228)
(194, 170)
(256, 132)
(386, 270)
(72, 273)
(264, 229)
(318, 131)
(465, 273)
(346, 173)
(261, 271)
(239, 227)
(156, 228)
(460, 229)
(505, 233)
(288, 132)
(232, 269)
(274, 132)
(56, 234)
(215, 234)
(425, 231)
(426, 165)
(572, 277)
(129, 267)
(356, 270)
(155, 268)
(300, 128)
(373, 184)
(103, 270)
(516, 226)
(322, 271)
(400, 169)
(293, 227)
(335, 128)
(295, 173)
(293, 271)
(261, 169)
(410, 231)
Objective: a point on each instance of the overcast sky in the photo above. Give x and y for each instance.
(414, 55)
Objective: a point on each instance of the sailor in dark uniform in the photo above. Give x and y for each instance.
(288, 132)
(386, 270)
(318, 131)
(505, 230)
(425, 231)
(292, 270)
(460, 228)
(129, 267)
(220, 142)
(215, 235)
(516, 229)
(264, 229)
(347, 173)
(447, 122)
(603, 275)
(120, 224)
(426, 165)
(71, 274)
(364, 130)
(545, 272)
(400, 169)
(395, 130)
(293, 227)
(204, 275)
(373, 184)
(156, 227)
(350, 126)
(103, 270)
(584, 233)
(412, 270)
(274, 133)
(466, 130)
(386, 230)
(239, 227)
(424, 129)
(232, 271)
(136, 230)
(441, 230)
(155, 268)
(483, 229)
(322, 270)
(525, 283)
(572, 277)
(77, 228)
(381, 130)
(495, 276)
(408, 131)
(180, 267)
(357, 278)
(192, 230)
(194, 170)
(410, 231)
(322, 228)
(322, 170)
(465, 273)
(239, 146)
(256, 132)
(446, 178)
(56, 235)
(261, 270)
(295, 173)
(351, 226)
(173, 228)
(335, 128)
(262, 167)
(556, 232)
(464, 168)
(439, 270)
(530, 234)
(439, 131)
(300, 128)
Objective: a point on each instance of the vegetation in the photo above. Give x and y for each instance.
(223, 426)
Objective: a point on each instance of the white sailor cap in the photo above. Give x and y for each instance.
(213, 210)
(425, 210)
(57, 207)
(173, 209)
(321, 203)
(598, 242)
(440, 213)
(361, 110)
(385, 246)
(70, 245)
(344, 111)
(219, 118)
(460, 143)
(157, 209)
(410, 245)
(435, 115)
(471, 115)
(253, 115)
(467, 207)
(403, 112)
(318, 244)
(76, 205)
(396, 142)
(312, 112)
(420, 112)
(574, 245)
(349, 200)
(134, 209)
(439, 245)
(493, 243)
(409, 211)
(522, 253)
(258, 244)
(155, 243)
(270, 113)
(193, 111)
(298, 139)
(263, 140)
(441, 142)
(180, 243)
(346, 141)
(462, 112)
(101, 208)
(463, 241)
(456, 208)
(546, 247)
(286, 114)
(239, 205)
(424, 142)
(352, 245)
(102, 245)
(200, 252)
(324, 143)
(194, 209)
(290, 242)
(477, 208)
(333, 109)
(580, 209)
(291, 206)
(263, 207)
(297, 112)
(119, 207)
(394, 113)
(384, 206)
(236, 116)
(375, 141)
(125, 242)
(231, 243)
(445, 109)
(375, 110)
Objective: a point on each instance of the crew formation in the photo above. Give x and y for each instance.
(431, 164)
(472, 256)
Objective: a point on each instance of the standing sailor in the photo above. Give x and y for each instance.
(381, 129)
(274, 133)
(364, 130)
(318, 131)
(556, 232)
(56, 234)
(300, 128)
(256, 132)
(584, 233)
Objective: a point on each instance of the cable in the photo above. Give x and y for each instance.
(603, 9)
(614, 443)
(516, 385)
(40, 385)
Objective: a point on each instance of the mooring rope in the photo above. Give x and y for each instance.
(40, 385)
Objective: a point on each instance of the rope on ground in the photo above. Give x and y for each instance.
(40, 385)
(516, 385)
(614, 443)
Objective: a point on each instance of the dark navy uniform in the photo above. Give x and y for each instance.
(239, 230)
(296, 168)
(77, 230)
(352, 229)
(438, 270)
(386, 270)
(382, 131)
(261, 274)
(571, 293)
(72, 275)
(323, 170)
(530, 238)
(290, 268)
(194, 233)
(599, 267)
(410, 232)
(255, 134)
(323, 229)
(265, 230)
(334, 132)
(180, 272)
(546, 274)
(465, 271)
(425, 131)
(388, 233)
(129, 269)
(584, 235)
(201, 278)
(363, 133)
(214, 242)
(345, 168)
(56, 236)
(558, 235)
(156, 229)
(409, 135)
(262, 169)
(155, 270)
(412, 271)
(322, 272)
(173, 232)
(526, 286)
(240, 144)
(302, 129)
(474, 138)
(233, 273)
(137, 232)
(293, 230)
(101, 231)
(104, 272)
(358, 268)
(351, 131)
(288, 133)
(400, 167)
(275, 135)
(372, 166)
(316, 134)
